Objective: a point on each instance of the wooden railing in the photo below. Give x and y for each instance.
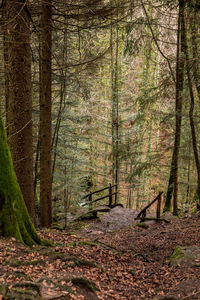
(142, 214)
(109, 196)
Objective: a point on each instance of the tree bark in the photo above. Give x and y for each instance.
(14, 217)
(18, 95)
(179, 90)
(45, 117)
(170, 189)
(192, 103)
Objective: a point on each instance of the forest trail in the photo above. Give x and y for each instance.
(127, 263)
(115, 219)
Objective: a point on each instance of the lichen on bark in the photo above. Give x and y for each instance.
(14, 217)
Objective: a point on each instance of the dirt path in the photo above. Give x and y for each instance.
(127, 263)
(117, 218)
(108, 222)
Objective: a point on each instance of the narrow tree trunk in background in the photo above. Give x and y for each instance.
(195, 48)
(37, 156)
(62, 103)
(170, 188)
(192, 103)
(117, 162)
(18, 94)
(115, 105)
(179, 90)
(36, 167)
(112, 104)
(188, 178)
(45, 116)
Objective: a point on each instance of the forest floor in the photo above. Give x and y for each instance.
(126, 263)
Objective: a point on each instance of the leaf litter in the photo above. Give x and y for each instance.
(128, 263)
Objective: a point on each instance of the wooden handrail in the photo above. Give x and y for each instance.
(89, 202)
(109, 196)
(92, 193)
(143, 211)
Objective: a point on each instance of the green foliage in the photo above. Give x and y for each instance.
(99, 65)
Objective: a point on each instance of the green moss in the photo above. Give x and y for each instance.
(178, 253)
(12, 262)
(78, 262)
(72, 244)
(142, 225)
(59, 255)
(88, 243)
(178, 256)
(57, 226)
(16, 263)
(14, 217)
(32, 285)
(20, 274)
(78, 225)
(194, 210)
(27, 290)
(71, 233)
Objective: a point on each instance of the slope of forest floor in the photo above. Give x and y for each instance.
(128, 263)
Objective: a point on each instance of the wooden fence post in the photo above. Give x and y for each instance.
(90, 200)
(110, 195)
(116, 188)
(158, 207)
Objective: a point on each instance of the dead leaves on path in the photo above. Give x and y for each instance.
(128, 264)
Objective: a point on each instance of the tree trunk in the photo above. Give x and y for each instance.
(179, 90)
(195, 51)
(115, 104)
(170, 189)
(45, 117)
(18, 93)
(192, 103)
(14, 217)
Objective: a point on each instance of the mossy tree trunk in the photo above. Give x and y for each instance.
(14, 217)
(17, 55)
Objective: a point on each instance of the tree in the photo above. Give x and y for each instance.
(14, 217)
(18, 95)
(192, 104)
(45, 116)
(179, 89)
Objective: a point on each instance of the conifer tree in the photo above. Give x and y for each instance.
(17, 55)
(45, 116)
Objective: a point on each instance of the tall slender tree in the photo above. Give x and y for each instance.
(173, 178)
(45, 116)
(179, 90)
(192, 104)
(18, 94)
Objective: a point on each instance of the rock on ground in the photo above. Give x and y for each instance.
(119, 217)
